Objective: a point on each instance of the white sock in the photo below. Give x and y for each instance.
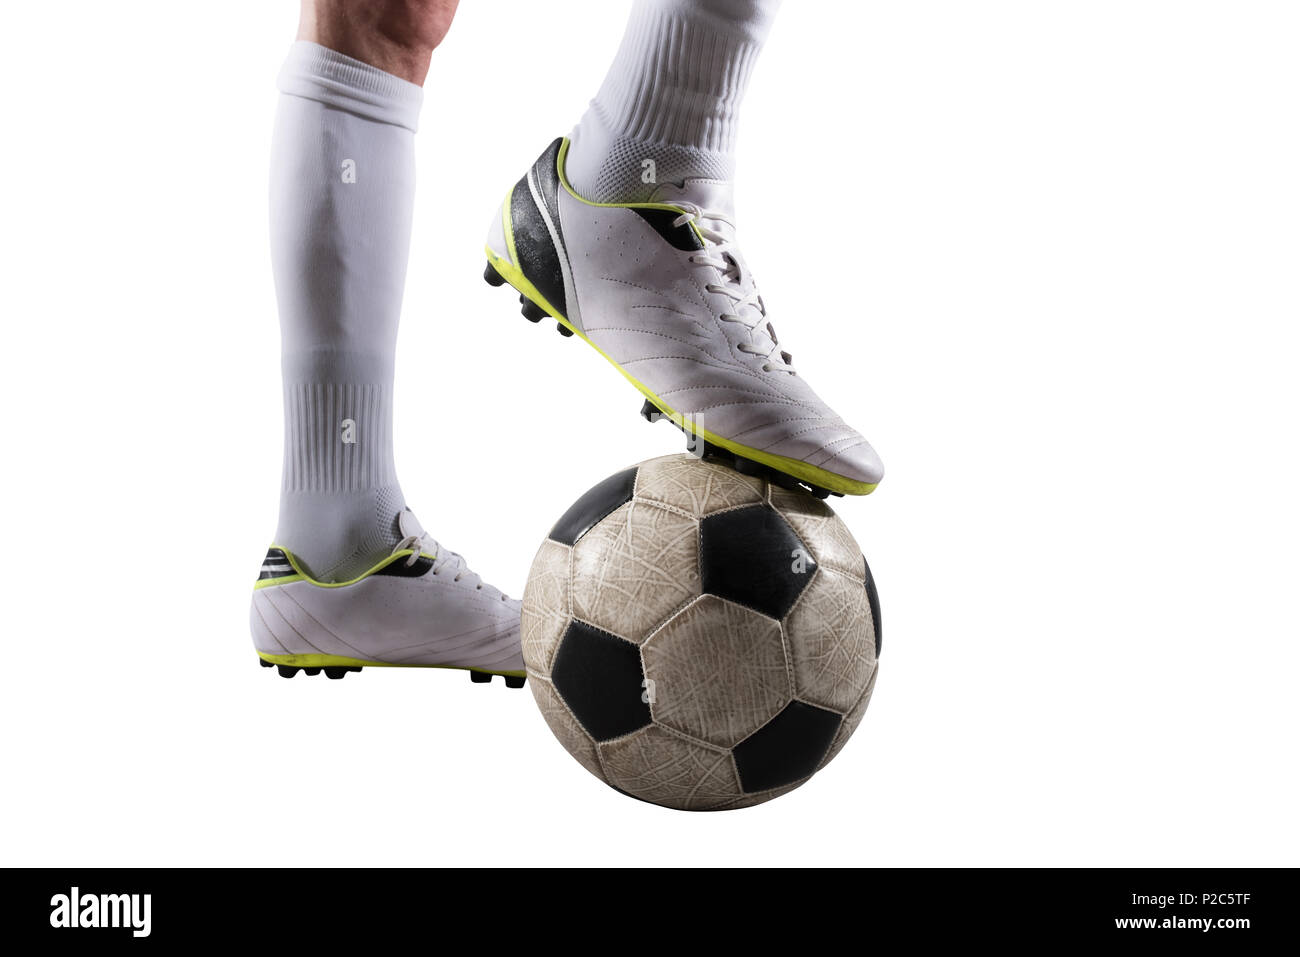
(669, 105)
(342, 196)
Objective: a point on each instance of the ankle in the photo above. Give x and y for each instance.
(336, 536)
(669, 107)
(604, 167)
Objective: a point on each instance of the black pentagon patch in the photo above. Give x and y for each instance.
(753, 557)
(599, 677)
(599, 501)
(874, 601)
(787, 748)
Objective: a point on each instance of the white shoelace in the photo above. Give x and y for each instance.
(731, 267)
(444, 560)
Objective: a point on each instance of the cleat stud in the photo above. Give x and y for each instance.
(480, 677)
(819, 492)
(336, 673)
(312, 671)
(286, 671)
(264, 663)
(492, 277)
(649, 411)
(514, 681)
(532, 311)
(788, 482)
(354, 667)
(563, 330)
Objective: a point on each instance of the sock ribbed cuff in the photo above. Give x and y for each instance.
(318, 73)
(680, 74)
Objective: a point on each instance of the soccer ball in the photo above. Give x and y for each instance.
(698, 638)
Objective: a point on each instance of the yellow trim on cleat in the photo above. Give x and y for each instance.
(800, 470)
(272, 582)
(301, 576)
(563, 151)
(339, 661)
(508, 226)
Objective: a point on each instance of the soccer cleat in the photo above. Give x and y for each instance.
(661, 291)
(421, 607)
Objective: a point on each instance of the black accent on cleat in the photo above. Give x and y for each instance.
(275, 565)
(532, 311)
(547, 178)
(480, 677)
(649, 411)
(337, 673)
(514, 681)
(286, 671)
(662, 221)
(536, 254)
(492, 277)
(563, 330)
(354, 667)
(401, 569)
(312, 671)
(264, 663)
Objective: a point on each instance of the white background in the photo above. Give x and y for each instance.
(1044, 254)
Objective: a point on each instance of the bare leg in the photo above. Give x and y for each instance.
(398, 36)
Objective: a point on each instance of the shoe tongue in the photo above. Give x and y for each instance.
(408, 524)
(713, 195)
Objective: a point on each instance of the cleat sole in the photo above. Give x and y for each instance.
(492, 277)
(336, 667)
(745, 466)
